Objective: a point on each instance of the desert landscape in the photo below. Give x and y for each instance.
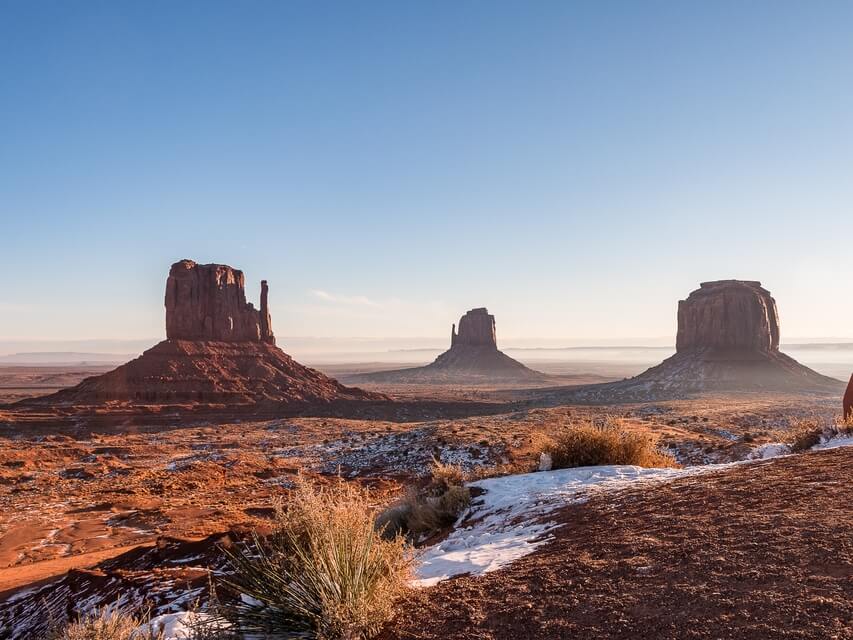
(130, 486)
(426, 320)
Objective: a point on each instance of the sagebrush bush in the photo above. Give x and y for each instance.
(108, 623)
(586, 444)
(326, 571)
(843, 426)
(803, 434)
(430, 508)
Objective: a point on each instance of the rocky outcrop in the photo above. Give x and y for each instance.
(208, 302)
(728, 340)
(219, 350)
(473, 358)
(728, 314)
(477, 327)
(848, 400)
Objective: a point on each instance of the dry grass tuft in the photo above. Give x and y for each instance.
(842, 426)
(426, 510)
(109, 623)
(803, 434)
(587, 444)
(326, 572)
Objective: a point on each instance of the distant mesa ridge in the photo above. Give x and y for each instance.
(473, 357)
(219, 349)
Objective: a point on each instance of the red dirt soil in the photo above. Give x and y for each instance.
(759, 551)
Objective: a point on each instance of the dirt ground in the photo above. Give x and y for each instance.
(759, 551)
(71, 495)
(104, 498)
(27, 381)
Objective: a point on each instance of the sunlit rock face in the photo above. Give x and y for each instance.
(208, 302)
(728, 314)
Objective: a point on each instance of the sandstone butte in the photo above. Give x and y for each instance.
(473, 357)
(727, 340)
(219, 349)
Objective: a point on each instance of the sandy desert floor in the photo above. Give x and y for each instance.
(142, 506)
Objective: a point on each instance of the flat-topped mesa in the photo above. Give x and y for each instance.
(477, 327)
(735, 315)
(208, 302)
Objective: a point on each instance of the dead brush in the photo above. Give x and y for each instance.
(428, 509)
(107, 623)
(803, 434)
(842, 426)
(326, 572)
(587, 444)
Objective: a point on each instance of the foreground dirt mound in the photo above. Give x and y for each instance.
(473, 357)
(759, 551)
(728, 340)
(180, 371)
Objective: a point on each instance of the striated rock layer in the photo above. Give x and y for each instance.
(728, 340)
(208, 302)
(473, 357)
(728, 314)
(219, 349)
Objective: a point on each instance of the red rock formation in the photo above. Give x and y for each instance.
(208, 302)
(848, 400)
(219, 349)
(728, 340)
(473, 357)
(477, 327)
(728, 314)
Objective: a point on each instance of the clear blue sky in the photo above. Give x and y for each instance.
(575, 166)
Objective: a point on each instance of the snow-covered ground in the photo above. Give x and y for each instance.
(509, 520)
(506, 522)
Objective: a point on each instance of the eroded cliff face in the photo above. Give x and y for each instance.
(728, 314)
(208, 302)
(477, 327)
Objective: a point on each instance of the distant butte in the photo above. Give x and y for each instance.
(473, 357)
(219, 350)
(727, 340)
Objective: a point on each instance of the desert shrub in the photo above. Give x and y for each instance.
(803, 434)
(843, 426)
(108, 623)
(326, 572)
(424, 510)
(588, 444)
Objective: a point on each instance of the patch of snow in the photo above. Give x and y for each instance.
(769, 450)
(173, 626)
(505, 523)
(834, 443)
(382, 453)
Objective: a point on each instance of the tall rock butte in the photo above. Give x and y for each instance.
(219, 350)
(473, 357)
(727, 340)
(476, 328)
(208, 302)
(728, 314)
